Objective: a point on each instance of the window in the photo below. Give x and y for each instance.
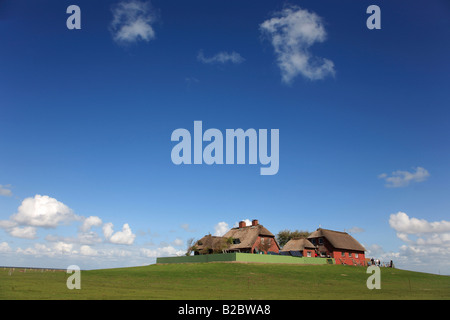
(350, 254)
(308, 253)
(313, 241)
(356, 256)
(342, 254)
(320, 240)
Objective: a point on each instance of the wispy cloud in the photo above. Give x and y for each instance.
(354, 230)
(221, 57)
(5, 190)
(403, 178)
(132, 22)
(292, 31)
(186, 227)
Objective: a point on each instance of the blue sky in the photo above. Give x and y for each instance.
(87, 116)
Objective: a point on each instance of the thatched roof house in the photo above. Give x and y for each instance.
(339, 245)
(210, 244)
(299, 247)
(252, 239)
(298, 244)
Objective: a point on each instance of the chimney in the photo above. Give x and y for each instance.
(242, 224)
(255, 222)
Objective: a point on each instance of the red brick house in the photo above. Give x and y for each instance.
(338, 245)
(248, 239)
(299, 247)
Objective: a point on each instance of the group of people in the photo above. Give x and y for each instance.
(377, 262)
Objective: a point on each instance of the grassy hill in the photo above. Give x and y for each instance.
(233, 281)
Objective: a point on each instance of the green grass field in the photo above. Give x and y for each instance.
(235, 281)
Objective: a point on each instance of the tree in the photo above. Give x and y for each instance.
(212, 244)
(285, 235)
(264, 244)
(190, 246)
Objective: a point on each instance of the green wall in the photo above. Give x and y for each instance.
(200, 258)
(267, 258)
(244, 257)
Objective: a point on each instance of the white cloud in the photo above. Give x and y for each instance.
(43, 211)
(132, 21)
(89, 222)
(292, 31)
(86, 250)
(56, 249)
(120, 237)
(221, 228)
(37, 211)
(374, 250)
(426, 244)
(161, 252)
(7, 224)
(178, 242)
(5, 191)
(4, 247)
(404, 178)
(248, 222)
(221, 57)
(402, 223)
(62, 247)
(23, 232)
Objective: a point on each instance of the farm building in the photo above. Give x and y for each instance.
(247, 239)
(299, 248)
(338, 245)
(255, 238)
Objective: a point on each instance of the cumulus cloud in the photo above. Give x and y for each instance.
(426, 244)
(402, 223)
(43, 211)
(221, 57)
(404, 178)
(89, 222)
(5, 190)
(120, 237)
(37, 211)
(292, 31)
(132, 22)
(221, 228)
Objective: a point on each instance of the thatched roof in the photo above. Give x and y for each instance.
(338, 239)
(247, 236)
(210, 242)
(298, 244)
(234, 239)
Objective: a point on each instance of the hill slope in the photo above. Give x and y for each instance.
(232, 281)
